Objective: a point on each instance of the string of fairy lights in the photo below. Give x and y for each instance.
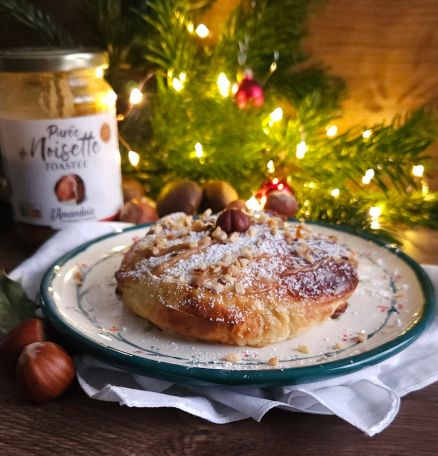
(226, 89)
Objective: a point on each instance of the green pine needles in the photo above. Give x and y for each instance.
(189, 125)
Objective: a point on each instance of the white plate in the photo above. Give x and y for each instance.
(390, 307)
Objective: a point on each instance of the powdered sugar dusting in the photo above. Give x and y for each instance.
(271, 252)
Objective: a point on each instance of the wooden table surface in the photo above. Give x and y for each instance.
(77, 425)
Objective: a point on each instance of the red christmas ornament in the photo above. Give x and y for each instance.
(249, 93)
(273, 185)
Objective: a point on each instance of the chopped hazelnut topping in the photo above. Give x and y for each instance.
(155, 251)
(188, 220)
(78, 276)
(182, 279)
(216, 232)
(272, 222)
(198, 225)
(157, 229)
(229, 278)
(232, 357)
(251, 231)
(361, 337)
(161, 242)
(219, 234)
(274, 230)
(332, 239)
(287, 234)
(234, 237)
(239, 288)
(207, 213)
(208, 284)
(272, 361)
(243, 262)
(246, 253)
(218, 287)
(339, 346)
(193, 244)
(233, 269)
(263, 217)
(303, 349)
(205, 241)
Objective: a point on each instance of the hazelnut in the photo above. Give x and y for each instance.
(70, 189)
(132, 188)
(16, 340)
(233, 220)
(139, 210)
(216, 195)
(237, 204)
(44, 371)
(283, 204)
(179, 196)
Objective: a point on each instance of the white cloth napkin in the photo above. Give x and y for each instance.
(368, 399)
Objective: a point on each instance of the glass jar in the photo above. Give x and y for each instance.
(58, 139)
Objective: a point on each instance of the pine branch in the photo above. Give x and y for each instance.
(42, 22)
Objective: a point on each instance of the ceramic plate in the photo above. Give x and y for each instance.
(392, 304)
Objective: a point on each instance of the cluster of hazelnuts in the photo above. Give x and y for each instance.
(189, 197)
(43, 369)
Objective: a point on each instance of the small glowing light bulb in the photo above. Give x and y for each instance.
(253, 205)
(369, 174)
(424, 188)
(335, 193)
(375, 212)
(202, 31)
(276, 115)
(134, 158)
(100, 72)
(275, 180)
(135, 96)
(418, 170)
(177, 84)
(223, 84)
(331, 131)
(281, 187)
(375, 225)
(199, 151)
(367, 134)
(273, 67)
(182, 76)
(190, 27)
(301, 149)
(270, 166)
(234, 88)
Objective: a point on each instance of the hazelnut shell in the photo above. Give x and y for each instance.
(131, 188)
(27, 332)
(283, 204)
(139, 210)
(44, 371)
(216, 195)
(179, 196)
(233, 220)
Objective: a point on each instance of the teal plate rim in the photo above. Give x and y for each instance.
(265, 377)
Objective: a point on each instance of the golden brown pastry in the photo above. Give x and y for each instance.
(235, 280)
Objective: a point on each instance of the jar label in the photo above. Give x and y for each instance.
(62, 170)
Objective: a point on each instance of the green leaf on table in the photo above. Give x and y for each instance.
(15, 305)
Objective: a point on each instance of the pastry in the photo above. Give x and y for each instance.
(246, 280)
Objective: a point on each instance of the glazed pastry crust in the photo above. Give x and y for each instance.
(274, 308)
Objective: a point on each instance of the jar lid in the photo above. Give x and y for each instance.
(36, 60)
